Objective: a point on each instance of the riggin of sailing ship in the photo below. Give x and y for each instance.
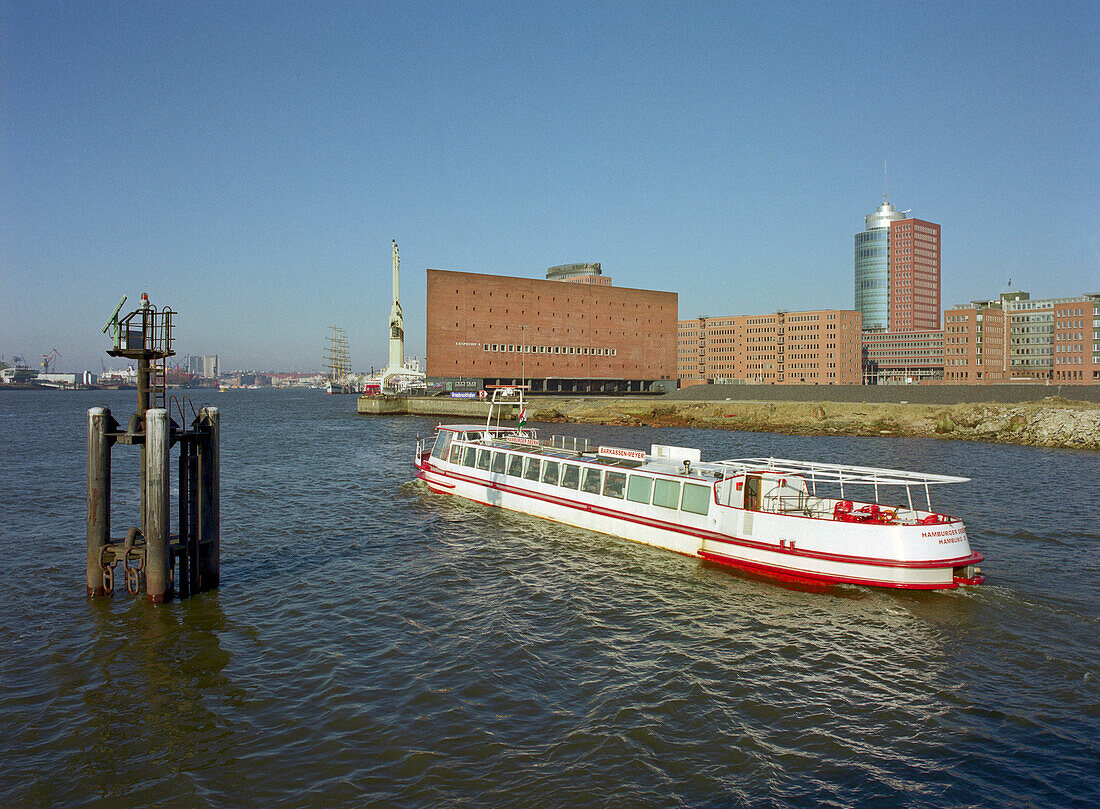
(789, 519)
(338, 363)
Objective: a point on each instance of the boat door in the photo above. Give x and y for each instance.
(752, 492)
(751, 503)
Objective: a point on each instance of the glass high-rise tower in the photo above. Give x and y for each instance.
(873, 267)
(897, 262)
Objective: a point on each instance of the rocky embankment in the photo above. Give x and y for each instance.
(1051, 422)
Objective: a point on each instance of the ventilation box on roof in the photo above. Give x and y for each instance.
(674, 454)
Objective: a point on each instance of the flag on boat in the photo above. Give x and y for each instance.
(523, 415)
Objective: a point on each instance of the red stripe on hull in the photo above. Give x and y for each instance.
(816, 578)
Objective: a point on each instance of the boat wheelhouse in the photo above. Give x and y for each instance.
(784, 518)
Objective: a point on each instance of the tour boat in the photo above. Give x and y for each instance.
(789, 519)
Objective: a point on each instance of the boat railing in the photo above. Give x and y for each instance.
(841, 475)
(827, 508)
(801, 503)
(570, 444)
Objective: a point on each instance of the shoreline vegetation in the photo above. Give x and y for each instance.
(1049, 422)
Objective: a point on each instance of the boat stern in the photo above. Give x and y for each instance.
(968, 572)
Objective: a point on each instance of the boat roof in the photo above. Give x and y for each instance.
(836, 473)
(478, 428)
(811, 470)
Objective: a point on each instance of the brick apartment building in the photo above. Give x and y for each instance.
(1019, 339)
(1055, 339)
(914, 275)
(785, 348)
(577, 334)
(974, 343)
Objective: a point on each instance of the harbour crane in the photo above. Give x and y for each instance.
(48, 358)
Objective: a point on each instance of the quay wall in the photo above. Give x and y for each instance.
(1050, 422)
(464, 409)
(916, 394)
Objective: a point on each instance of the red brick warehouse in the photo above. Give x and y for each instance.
(585, 337)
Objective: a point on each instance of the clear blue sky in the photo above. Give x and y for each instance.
(248, 163)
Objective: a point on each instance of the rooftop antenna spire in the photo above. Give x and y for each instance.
(885, 199)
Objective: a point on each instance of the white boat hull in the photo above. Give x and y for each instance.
(778, 545)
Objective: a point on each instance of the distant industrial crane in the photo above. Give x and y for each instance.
(48, 358)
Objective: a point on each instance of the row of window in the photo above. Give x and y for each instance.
(523, 349)
(610, 483)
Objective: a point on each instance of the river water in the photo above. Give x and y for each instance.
(373, 644)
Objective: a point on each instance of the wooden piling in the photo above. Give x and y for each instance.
(99, 495)
(158, 587)
(192, 451)
(184, 510)
(209, 491)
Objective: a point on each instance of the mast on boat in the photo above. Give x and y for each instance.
(337, 358)
(507, 395)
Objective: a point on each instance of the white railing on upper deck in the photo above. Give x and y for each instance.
(842, 474)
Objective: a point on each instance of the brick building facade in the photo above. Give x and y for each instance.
(784, 348)
(556, 336)
(1052, 339)
(902, 357)
(914, 275)
(974, 344)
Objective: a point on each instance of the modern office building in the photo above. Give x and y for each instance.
(974, 343)
(914, 276)
(1053, 339)
(1077, 340)
(1015, 338)
(893, 358)
(555, 336)
(897, 286)
(897, 272)
(872, 253)
(203, 365)
(785, 348)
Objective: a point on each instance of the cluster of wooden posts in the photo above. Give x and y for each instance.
(182, 563)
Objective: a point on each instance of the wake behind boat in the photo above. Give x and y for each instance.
(791, 519)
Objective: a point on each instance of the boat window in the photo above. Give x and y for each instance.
(550, 472)
(725, 491)
(484, 458)
(570, 476)
(639, 488)
(470, 457)
(500, 461)
(442, 444)
(591, 481)
(696, 498)
(531, 470)
(614, 484)
(456, 453)
(666, 493)
(515, 465)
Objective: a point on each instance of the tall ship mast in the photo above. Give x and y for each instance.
(337, 361)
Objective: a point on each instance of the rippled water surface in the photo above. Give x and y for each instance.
(375, 644)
